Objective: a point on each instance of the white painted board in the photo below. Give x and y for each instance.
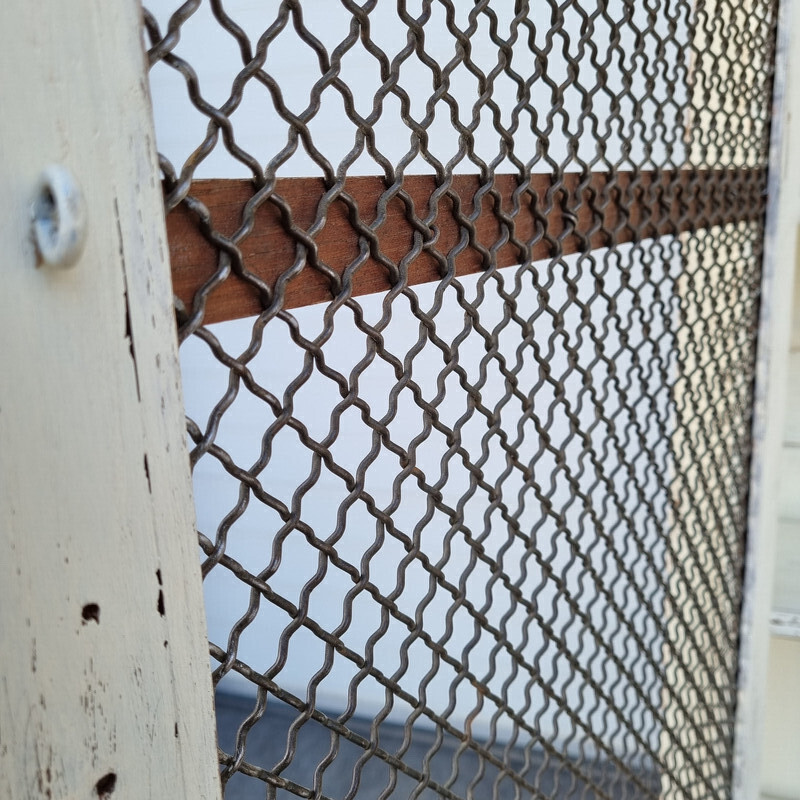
(105, 685)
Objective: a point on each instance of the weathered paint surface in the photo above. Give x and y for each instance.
(105, 688)
(756, 698)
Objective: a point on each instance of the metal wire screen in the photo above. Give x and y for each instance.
(467, 295)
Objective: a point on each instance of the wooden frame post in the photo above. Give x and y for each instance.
(105, 687)
(781, 252)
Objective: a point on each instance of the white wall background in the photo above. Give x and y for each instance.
(612, 532)
(615, 62)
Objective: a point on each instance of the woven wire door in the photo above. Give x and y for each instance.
(467, 295)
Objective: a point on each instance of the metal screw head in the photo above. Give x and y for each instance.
(59, 218)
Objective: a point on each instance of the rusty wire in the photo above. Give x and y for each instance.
(541, 597)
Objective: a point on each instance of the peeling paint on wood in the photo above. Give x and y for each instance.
(95, 497)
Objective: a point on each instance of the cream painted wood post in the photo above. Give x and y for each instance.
(105, 687)
(780, 258)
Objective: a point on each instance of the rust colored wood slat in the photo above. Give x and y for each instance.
(576, 215)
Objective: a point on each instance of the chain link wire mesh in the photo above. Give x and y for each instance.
(467, 294)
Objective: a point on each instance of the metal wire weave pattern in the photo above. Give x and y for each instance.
(467, 296)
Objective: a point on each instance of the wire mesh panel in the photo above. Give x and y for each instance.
(467, 294)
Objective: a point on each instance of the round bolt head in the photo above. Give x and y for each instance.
(59, 218)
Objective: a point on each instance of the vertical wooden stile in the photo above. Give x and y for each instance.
(105, 688)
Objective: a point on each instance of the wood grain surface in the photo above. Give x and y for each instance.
(296, 224)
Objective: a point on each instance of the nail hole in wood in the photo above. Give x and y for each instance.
(91, 611)
(105, 786)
